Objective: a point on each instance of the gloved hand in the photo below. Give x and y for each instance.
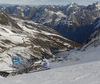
(40, 62)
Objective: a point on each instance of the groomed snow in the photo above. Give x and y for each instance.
(86, 70)
(87, 73)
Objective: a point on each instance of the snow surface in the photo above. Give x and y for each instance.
(80, 68)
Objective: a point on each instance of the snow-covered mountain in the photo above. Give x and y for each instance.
(92, 41)
(72, 21)
(97, 24)
(95, 6)
(88, 52)
(19, 35)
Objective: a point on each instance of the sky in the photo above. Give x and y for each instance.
(47, 2)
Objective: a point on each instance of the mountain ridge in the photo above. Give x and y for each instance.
(70, 20)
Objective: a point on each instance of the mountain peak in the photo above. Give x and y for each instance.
(94, 5)
(72, 4)
(97, 4)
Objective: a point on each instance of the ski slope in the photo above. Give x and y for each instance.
(85, 70)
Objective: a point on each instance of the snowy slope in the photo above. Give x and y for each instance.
(84, 71)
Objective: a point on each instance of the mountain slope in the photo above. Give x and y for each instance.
(32, 41)
(92, 41)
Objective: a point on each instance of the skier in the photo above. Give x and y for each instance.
(46, 63)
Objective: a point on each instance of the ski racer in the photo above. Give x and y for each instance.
(46, 63)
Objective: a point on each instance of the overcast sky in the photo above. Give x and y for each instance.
(47, 2)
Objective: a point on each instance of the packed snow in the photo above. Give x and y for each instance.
(80, 67)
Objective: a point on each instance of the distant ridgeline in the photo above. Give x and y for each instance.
(73, 21)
